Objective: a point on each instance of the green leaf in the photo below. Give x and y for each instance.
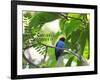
(79, 63)
(75, 15)
(70, 61)
(86, 52)
(56, 35)
(82, 41)
(51, 51)
(24, 62)
(67, 44)
(61, 24)
(28, 15)
(40, 18)
(52, 59)
(71, 26)
(75, 36)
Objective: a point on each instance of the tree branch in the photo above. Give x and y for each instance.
(80, 58)
(66, 17)
(30, 61)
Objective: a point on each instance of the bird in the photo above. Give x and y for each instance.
(60, 44)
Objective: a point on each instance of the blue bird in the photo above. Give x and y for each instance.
(59, 44)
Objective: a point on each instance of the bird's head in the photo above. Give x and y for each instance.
(62, 39)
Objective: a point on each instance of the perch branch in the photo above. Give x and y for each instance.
(66, 17)
(80, 58)
(62, 49)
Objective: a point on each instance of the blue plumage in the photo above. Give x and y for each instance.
(59, 44)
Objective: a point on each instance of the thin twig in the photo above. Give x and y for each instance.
(66, 17)
(30, 61)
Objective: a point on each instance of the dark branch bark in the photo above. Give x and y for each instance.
(66, 17)
(80, 58)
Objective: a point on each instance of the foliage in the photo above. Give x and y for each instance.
(74, 26)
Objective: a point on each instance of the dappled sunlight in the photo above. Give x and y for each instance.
(33, 55)
(65, 61)
(74, 63)
(52, 26)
